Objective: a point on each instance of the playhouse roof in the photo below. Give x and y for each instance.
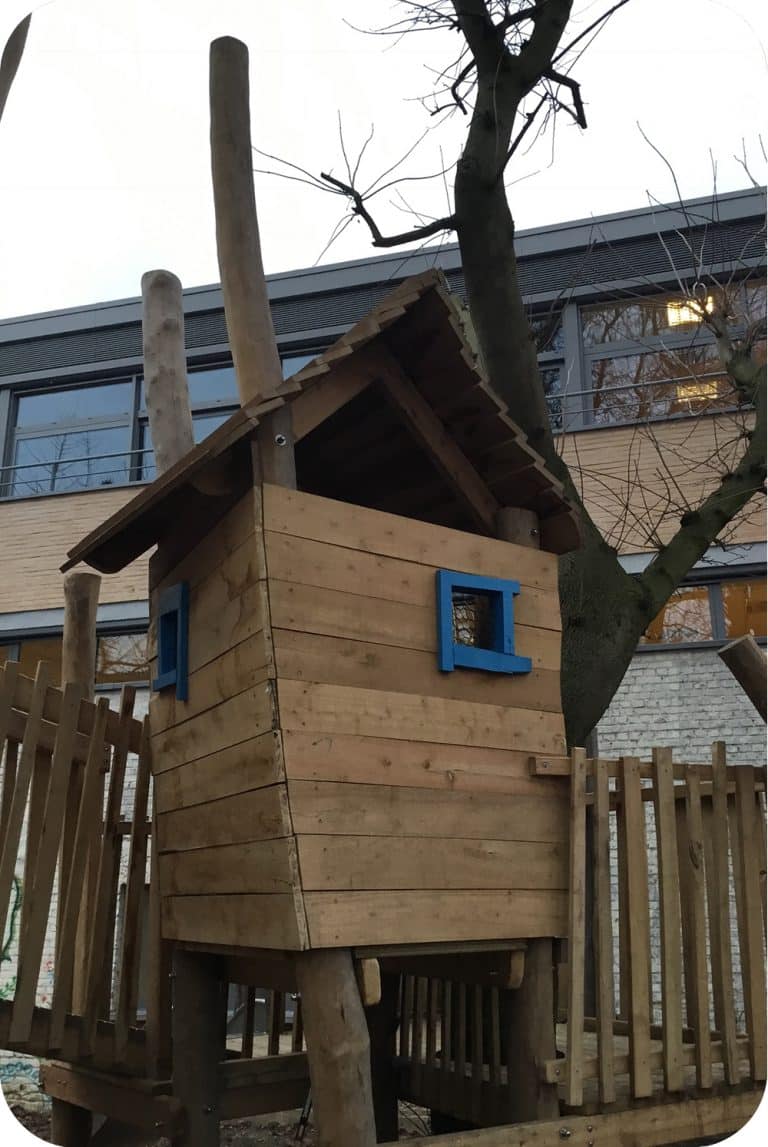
(413, 346)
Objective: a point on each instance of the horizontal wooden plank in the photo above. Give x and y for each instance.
(250, 765)
(339, 661)
(256, 866)
(243, 921)
(233, 529)
(231, 673)
(360, 862)
(349, 918)
(329, 709)
(652, 1125)
(329, 566)
(308, 516)
(239, 719)
(310, 609)
(257, 815)
(321, 808)
(86, 716)
(420, 764)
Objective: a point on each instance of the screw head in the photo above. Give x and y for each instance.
(281, 440)
(565, 1133)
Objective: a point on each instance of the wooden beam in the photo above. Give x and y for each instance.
(649, 1126)
(166, 391)
(430, 432)
(198, 1020)
(489, 969)
(246, 305)
(747, 662)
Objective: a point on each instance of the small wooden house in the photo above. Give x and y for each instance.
(352, 668)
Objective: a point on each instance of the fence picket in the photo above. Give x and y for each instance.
(133, 917)
(42, 854)
(693, 893)
(752, 972)
(576, 929)
(720, 918)
(603, 933)
(88, 827)
(12, 837)
(638, 930)
(671, 923)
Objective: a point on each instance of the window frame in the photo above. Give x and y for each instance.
(712, 580)
(672, 339)
(135, 421)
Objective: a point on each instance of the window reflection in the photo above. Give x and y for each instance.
(655, 385)
(122, 657)
(71, 461)
(685, 617)
(744, 606)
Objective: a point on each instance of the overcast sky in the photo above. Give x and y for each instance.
(104, 161)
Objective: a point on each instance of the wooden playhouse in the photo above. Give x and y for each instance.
(359, 779)
(320, 781)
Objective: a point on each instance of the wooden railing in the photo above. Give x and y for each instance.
(705, 825)
(64, 832)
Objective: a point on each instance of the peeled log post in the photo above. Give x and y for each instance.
(338, 1048)
(166, 391)
(246, 305)
(78, 651)
(70, 1124)
(747, 663)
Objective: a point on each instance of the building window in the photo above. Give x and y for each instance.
(96, 434)
(652, 358)
(715, 611)
(120, 658)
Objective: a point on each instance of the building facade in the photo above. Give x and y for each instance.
(640, 405)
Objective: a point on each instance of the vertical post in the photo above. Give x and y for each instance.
(71, 1125)
(166, 390)
(246, 305)
(338, 1048)
(78, 665)
(382, 1029)
(198, 1045)
(529, 1011)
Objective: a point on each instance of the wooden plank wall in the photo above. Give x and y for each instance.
(414, 814)
(625, 475)
(227, 859)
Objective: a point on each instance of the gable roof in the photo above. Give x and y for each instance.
(415, 337)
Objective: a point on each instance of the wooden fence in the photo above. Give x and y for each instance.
(666, 1013)
(63, 831)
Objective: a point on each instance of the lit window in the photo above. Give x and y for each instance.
(685, 311)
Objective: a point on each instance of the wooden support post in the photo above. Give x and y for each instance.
(78, 654)
(521, 527)
(166, 391)
(747, 662)
(529, 1012)
(530, 1036)
(338, 1048)
(246, 305)
(78, 666)
(382, 1029)
(198, 1045)
(71, 1126)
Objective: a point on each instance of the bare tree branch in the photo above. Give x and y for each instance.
(11, 58)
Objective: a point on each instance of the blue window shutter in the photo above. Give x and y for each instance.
(173, 640)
